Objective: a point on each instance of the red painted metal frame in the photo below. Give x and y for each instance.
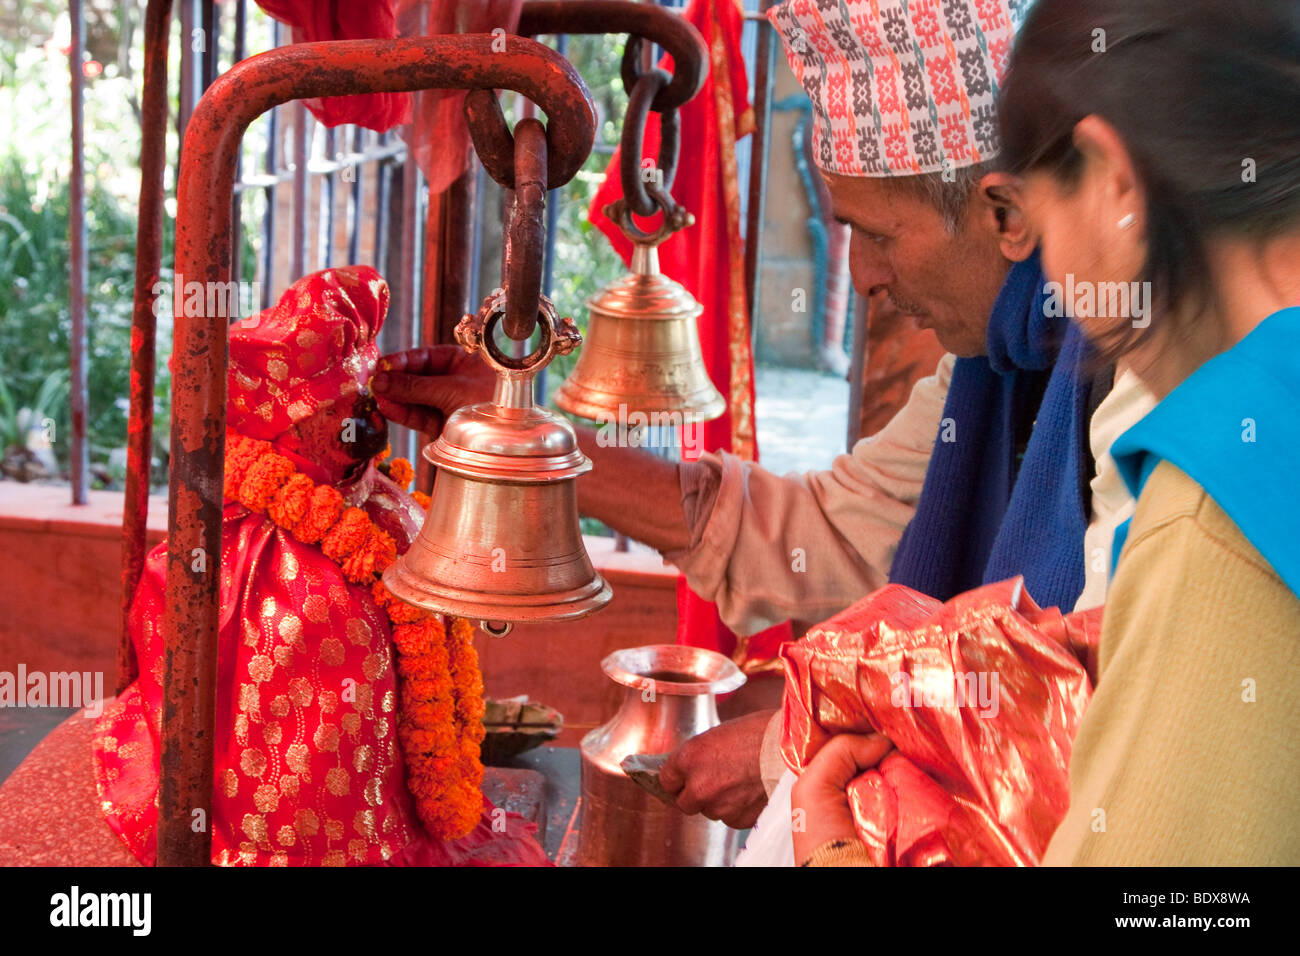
(144, 324)
(203, 250)
(649, 20)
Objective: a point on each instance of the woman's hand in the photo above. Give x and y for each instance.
(419, 388)
(819, 803)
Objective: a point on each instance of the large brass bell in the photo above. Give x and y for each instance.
(501, 542)
(642, 351)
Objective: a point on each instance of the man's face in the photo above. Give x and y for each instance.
(902, 248)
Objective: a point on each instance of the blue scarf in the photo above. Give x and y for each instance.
(982, 515)
(1233, 426)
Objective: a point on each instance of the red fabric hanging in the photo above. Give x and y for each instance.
(312, 20)
(439, 136)
(708, 259)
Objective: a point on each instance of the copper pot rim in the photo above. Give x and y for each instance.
(714, 672)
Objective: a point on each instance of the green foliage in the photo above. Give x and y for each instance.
(34, 319)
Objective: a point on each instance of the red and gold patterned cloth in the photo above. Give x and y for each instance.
(308, 766)
(981, 697)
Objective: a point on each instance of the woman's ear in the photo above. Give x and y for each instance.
(1119, 196)
(1002, 212)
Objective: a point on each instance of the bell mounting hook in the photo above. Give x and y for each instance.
(477, 333)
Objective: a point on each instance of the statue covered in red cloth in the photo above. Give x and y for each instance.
(309, 766)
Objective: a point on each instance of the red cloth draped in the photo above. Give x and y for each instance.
(981, 696)
(308, 766)
(708, 259)
(312, 20)
(439, 136)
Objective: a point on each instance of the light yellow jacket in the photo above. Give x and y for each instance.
(1189, 753)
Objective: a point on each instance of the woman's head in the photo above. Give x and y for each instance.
(1146, 133)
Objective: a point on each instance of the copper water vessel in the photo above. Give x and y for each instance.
(669, 695)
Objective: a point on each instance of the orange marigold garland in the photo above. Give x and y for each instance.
(440, 720)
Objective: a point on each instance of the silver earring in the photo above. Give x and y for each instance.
(1126, 220)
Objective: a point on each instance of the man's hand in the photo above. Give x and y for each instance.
(818, 801)
(419, 388)
(717, 773)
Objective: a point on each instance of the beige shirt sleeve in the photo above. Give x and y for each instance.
(806, 546)
(1187, 754)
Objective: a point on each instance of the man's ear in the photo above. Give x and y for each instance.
(1001, 210)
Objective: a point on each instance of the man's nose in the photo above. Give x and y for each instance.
(868, 268)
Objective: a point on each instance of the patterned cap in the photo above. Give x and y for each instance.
(311, 351)
(900, 87)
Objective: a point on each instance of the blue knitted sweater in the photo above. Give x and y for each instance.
(986, 513)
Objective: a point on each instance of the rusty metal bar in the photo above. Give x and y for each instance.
(203, 237)
(758, 165)
(144, 323)
(236, 225)
(678, 38)
(79, 457)
(527, 231)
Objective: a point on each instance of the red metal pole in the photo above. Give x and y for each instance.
(203, 249)
(144, 324)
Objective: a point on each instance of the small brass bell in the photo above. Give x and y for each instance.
(642, 350)
(501, 542)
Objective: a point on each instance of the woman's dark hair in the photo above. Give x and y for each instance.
(1206, 95)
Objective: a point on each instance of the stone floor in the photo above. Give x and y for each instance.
(802, 418)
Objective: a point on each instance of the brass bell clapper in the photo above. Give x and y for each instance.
(501, 543)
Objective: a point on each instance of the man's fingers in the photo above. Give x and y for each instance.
(411, 389)
(431, 360)
(426, 421)
(671, 776)
(688, 801)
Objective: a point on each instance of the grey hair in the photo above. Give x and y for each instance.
(950, 196)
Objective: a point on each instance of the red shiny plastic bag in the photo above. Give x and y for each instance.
(981, 697)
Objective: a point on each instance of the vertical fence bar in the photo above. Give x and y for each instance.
(448, 264)
(79, 457)
(191, 66)
(211, 42)
(403, 438)
(758, 165)
(298, 251)
(325, 208)
(354, 199)
(144, 323)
